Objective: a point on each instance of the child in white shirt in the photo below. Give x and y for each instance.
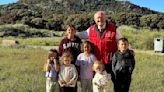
(101, 78)
(67, 74)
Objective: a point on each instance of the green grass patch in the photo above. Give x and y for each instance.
(141, 38)
(46, 41)
(149, 74)
(21, 70)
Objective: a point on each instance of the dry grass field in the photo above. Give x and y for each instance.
(21, 70)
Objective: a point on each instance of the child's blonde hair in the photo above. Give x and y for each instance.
(98, 63)
(66, 54)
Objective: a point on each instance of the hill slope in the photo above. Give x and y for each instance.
(56, 14)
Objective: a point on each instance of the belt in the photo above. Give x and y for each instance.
(51, 78)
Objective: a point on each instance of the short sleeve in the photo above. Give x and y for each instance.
(78, 60)
(118, 34)
(83, 34)
(94, 58)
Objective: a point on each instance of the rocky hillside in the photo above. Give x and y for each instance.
(56, 14)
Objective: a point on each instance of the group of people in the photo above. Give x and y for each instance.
(93, 62)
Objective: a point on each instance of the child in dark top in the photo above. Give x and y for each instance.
(123, 63)
(71, 43)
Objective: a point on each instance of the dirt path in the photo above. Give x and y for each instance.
(42, 47)
(151, 52)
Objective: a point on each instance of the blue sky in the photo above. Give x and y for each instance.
(157, 5)
(7, 1)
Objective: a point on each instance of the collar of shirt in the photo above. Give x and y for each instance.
(103, 27)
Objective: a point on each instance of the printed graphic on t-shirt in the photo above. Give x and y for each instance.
(70, 44)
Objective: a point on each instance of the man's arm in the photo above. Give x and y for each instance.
(83, 34)
(118, 34)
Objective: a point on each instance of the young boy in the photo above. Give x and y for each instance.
(123, 63)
